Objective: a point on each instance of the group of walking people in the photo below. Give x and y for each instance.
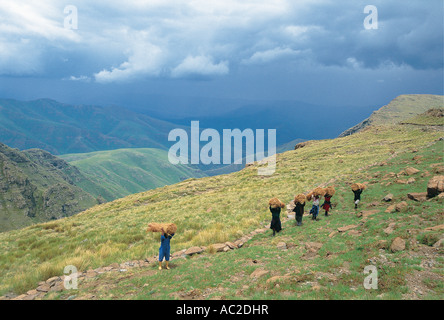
(168, 230)
(315, 197)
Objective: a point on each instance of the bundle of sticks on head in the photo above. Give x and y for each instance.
(169, 228)
(330, 191)
(358, 186)
(276, 203)
(316, 192)
(300, 198)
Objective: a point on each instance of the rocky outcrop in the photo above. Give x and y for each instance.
(398, 244)
(417, 196)
(435, 186)
(401, 207)
(35, 184)
(410, 171)
(302, 145)
(356, 128)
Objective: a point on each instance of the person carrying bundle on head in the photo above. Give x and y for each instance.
(275, 209)
(357, 189)
(327, 204)
(164, 250)
(315, 208)
(330, 191)
(299, 201)
(315, 196)
(167, 232)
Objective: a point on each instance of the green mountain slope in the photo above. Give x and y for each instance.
(432, 117)
(398, 110)
(312, 262)
(60, 128)
(37, 187)
(126, 171)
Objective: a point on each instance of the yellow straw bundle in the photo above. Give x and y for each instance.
(300, 198)
(357, 186)
(330, 191)
(275, 203)
(169, 228)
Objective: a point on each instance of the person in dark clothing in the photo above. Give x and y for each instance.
(275, 220)
(164, 250)
(357, 197)
(327, 204)
(299, 212)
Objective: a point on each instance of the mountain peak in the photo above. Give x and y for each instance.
(399, 109)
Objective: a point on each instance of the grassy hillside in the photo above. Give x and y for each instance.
(432, 117)
(400, 109)
(36, 187)
(60, 128)
(126, 171)
(319, 262)
(405, 107)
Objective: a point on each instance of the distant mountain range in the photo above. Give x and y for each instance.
(60, 128)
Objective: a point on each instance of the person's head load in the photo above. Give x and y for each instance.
(300, 198)
(358, 186)
(168, 228)
(330, 191)
(276, 203)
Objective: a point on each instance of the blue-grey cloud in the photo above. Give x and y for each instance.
(170, 38)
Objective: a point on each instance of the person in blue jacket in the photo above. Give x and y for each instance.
(164, 250)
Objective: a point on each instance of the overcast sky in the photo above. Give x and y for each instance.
(317, 51)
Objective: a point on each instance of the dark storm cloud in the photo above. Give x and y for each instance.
(249, 48)
(173, 38)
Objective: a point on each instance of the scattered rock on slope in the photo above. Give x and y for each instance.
(435, 186)
(401, 207)
(193, 250)
(417, 196)
(346, 228)
(398, 244)
(258, 273)
(410, 171)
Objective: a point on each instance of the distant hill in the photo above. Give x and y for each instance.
(61, 128)
(398, 110)
(126, 171)
(37, 187)
(67, 129)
